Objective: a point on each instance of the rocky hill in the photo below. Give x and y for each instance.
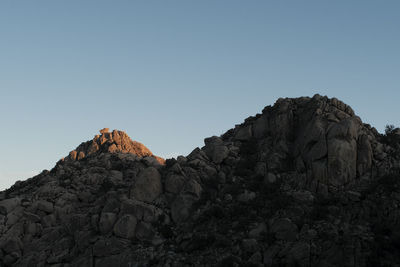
(304, 183)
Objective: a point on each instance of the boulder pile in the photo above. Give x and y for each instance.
(114, 142)
(304, 183)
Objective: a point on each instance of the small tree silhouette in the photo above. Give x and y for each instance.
(392, 138)
(389, 129)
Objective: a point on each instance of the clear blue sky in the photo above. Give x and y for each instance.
(170, 73)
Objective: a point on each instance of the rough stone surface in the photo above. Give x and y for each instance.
(114, 142)
(147, 186)
(284, 229)
(304, 183)
(106, 222)
(125, 227)
(174, 183)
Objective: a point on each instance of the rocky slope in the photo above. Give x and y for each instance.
(304, 183)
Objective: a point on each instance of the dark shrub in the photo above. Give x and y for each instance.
(248, 154)
(392, 138)
(230, 261)
(166, 231)
(201, 241)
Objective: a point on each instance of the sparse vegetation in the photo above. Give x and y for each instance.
(392, 138)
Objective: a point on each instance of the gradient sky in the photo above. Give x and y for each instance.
(171, 73)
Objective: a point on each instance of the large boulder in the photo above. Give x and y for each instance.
(8, 205)
(329, 146)
(147, 185)
(215, 149)
(125, 227)
(140, 210)
(174, 183)
(107, 220)
(181, 207)
(284, 229)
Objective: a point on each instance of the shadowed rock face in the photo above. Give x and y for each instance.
(322, 136)
(114, 142)
(304, 183)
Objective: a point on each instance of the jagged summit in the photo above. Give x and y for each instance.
(304, 183)
(111, 142)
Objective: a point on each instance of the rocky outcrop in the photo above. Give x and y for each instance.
(304, 183)
(114, 142)
(323, 137)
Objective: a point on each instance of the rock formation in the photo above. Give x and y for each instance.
(116, 141)
(304, 183)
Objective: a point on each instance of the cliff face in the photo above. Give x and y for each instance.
(319, 138)
(304, 183)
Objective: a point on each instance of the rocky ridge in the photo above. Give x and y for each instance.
(304, 183)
